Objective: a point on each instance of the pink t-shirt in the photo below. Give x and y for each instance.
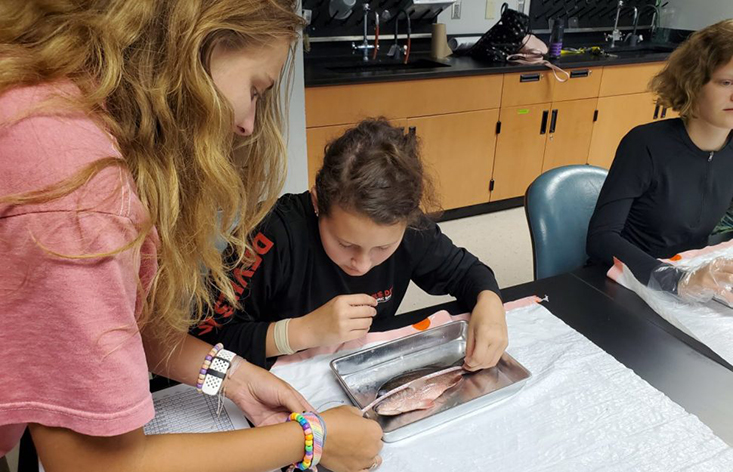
(71, 353)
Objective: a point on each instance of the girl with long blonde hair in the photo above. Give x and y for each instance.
(133, 135)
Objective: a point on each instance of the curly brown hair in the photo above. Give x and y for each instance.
(692, 65)
(375, 169)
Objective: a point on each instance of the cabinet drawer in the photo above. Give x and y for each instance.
(583, 83)
(527, 88)
(622, 80)
(341, 104)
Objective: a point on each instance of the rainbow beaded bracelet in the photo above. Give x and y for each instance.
(314, 429)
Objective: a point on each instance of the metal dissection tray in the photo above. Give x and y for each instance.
(362, 373)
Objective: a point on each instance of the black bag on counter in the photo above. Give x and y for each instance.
(505, 38)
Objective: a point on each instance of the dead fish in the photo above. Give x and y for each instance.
(421, 396)
(407, 377)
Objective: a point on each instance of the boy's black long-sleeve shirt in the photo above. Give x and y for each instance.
(292, 276)
(663, 195)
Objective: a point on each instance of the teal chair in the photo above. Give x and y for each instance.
(558, 205)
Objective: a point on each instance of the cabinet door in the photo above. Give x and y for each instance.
(569, 133)
(616, 117)
(317, 138)
(458, 151)
(520, 148)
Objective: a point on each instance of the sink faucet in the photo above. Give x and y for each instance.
(655, 13)
(396, 50)
(616, 33)
(365, 46)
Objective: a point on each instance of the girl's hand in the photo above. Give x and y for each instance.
(487, 333)
(344, 318)
(263, 397)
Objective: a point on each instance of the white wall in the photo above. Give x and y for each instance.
(696, 14)
(297, 179)
(473, 16)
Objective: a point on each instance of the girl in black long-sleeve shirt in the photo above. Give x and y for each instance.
(336, 261)
(672, 181)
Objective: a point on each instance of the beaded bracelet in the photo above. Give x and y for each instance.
(206, 364)
(314, 429)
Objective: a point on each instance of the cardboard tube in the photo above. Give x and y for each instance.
(439, 45)
(462, 43)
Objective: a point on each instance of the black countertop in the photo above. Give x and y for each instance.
(344, 70)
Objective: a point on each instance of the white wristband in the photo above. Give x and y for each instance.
(217, 372)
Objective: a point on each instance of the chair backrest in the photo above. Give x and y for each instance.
(559, 205)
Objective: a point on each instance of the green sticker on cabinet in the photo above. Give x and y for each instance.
(523, 111)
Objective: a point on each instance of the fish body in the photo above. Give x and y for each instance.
(420, 396)
(407, 377)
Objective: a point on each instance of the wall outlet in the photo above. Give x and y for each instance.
(455, 12)
(490, 14)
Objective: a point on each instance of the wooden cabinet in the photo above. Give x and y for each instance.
(624, 80)
(624, 102)
(538, 137)
(543, 123)
(616, 117)
(519, 149)
(344, 104)
(530, 88)
(583, 83)
(569, 133)
(527, 88)
(458, 152)
(455, 119)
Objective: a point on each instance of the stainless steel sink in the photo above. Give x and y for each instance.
(386, 66)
